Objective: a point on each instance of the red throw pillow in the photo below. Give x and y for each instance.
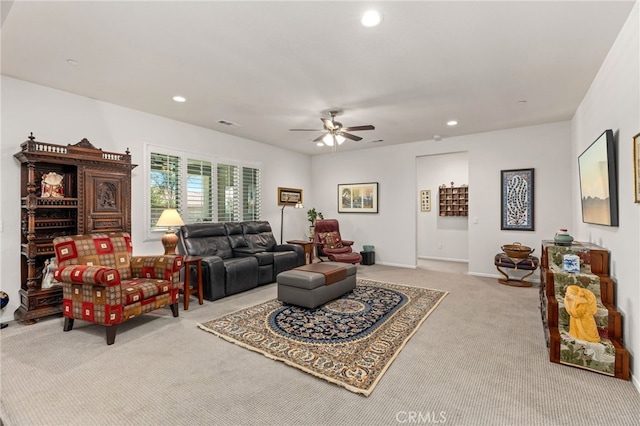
(330, 240)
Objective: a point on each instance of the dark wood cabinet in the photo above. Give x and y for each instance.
(65, 190)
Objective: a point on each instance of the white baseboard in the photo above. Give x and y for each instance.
(397, 265)
(444, 259)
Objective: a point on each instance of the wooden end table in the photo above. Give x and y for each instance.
(188, 261)
(307, 246)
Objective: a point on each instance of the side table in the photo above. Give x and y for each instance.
(188, 261)
(530, 263)
(307, 246)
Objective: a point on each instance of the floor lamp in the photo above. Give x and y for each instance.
(298, 205)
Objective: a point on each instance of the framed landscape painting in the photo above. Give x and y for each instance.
(636, 167)
(517, 200)
(598, 182)
(358, 198)
(289, 196)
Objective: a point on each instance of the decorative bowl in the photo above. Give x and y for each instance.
(563, 239)
(517, 250)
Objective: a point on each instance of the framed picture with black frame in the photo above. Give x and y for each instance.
(598, 181)
(636, 167)
(517, 213)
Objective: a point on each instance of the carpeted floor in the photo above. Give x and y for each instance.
(479, 359)
(350, 341)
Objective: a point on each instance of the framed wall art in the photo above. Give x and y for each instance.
(425, 200)
(517, 199)
(289, 196)
(358, 198)
(636, 167)
(598, 182)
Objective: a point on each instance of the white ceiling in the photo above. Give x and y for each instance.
(270, 66)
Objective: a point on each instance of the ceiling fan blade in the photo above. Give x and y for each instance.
(319, 138)
(328, 123)
(305, 130)
(356, 128)
(350, 136)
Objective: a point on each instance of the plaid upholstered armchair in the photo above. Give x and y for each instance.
(104, 284)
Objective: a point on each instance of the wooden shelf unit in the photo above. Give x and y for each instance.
(453, 200)
(96, 198)
(596, 259)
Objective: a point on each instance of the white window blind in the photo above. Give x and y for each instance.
(201, 188)
(228, 177)
(199, 191)
(165, 187)
(251, 193)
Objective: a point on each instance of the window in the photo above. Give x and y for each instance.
(165, 185)
(201, 188)
(199, 191)
(251, 193)
(228, 190)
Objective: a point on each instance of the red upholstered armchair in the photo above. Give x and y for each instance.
(104, 284)
(329, 243)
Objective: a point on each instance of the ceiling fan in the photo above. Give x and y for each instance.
(334, 134)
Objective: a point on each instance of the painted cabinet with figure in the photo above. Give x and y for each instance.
(65, 190)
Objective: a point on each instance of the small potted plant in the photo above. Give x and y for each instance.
(312, 215)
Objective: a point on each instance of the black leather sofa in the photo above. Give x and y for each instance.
(237, 256)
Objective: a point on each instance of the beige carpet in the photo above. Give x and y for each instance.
(349, 342)
(479, 359)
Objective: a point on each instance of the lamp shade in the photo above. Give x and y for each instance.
(170, 217)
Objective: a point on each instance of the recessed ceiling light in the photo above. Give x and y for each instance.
(452, 123)
(179, 99)
(319, 144)
(371, 18)
(73, 62)
(522, 102)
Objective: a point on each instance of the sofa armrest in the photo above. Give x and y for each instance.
(84, 274)
(213, 277)
(163, 267)
(288, 247)
(346, 243)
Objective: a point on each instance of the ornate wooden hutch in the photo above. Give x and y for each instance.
(65, 190)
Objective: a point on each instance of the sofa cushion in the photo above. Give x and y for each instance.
(236, 237)
(259, 236)
(201, 238)
(110, 250)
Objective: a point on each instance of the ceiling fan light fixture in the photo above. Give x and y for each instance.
(328, 139)
(371, 18)
(340, 139)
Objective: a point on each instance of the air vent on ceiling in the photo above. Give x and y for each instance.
(226, 123)
(376, 141)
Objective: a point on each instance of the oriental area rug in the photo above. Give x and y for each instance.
(350, 341)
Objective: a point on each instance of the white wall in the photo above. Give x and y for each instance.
(63, 118)
(442, 237)
(393, 231)
(613, 102)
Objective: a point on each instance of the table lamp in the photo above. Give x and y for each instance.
(170, 218)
